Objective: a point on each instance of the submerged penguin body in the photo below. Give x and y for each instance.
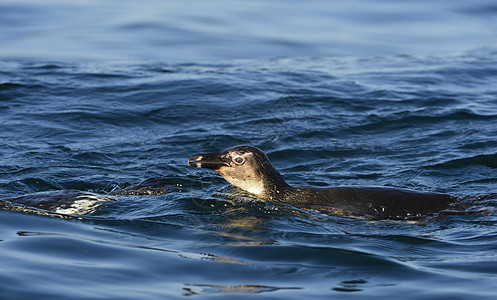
(249, 168)
(374, 202)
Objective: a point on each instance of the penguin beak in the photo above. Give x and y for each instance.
(212, 161)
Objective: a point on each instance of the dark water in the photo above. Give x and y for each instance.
(422, 116)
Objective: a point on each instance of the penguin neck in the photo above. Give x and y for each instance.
(275, 187)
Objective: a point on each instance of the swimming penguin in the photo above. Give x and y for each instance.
(74, 202)
(249, 168)
(68, 202)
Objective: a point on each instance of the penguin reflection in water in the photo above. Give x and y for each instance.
(249, 168)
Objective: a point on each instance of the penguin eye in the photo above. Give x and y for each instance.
(238, 159)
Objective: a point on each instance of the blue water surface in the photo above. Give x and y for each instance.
(99, 95)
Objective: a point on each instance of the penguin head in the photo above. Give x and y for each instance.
(246, 167)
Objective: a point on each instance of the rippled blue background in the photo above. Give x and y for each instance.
(102, 94)
(223, 30)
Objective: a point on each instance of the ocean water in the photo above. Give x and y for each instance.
(99, 95)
